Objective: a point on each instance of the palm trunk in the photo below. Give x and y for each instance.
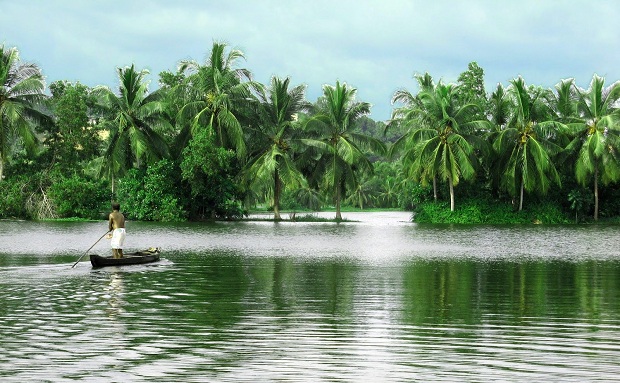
(337, 185)
(338, 214)
(435, 188)
(277, 188)
(113, 189)
(596, 192)
(576, 216)
(521, 197)
(451, 194)
(1, 169)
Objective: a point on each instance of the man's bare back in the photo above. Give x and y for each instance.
(117, 220)
(116, 224)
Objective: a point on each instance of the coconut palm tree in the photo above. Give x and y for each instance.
(408, 116)
(215, 94)
(525, 147)
(273, 166)
(596, 136)
(134, 124)
(408, 100)
(564, 101)
(341, 148)
(500, 107)
(21, 91)
(444, 142)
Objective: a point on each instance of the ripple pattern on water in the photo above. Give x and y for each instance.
(338, 303)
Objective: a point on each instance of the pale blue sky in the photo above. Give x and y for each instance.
(374, 46)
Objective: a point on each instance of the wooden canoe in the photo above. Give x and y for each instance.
(139, 257)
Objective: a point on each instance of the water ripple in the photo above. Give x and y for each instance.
(316, 303)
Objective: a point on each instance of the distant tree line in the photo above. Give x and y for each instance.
(210, 142)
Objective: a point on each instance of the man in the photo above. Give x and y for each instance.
(116, 224)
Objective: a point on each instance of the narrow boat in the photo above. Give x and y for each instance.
(139, 257)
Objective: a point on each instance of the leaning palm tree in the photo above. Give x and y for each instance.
(596, 136)
(21, 91)
(135, 122)
(216, 93)
(341, 148)
(444, 143)
(409, 101)
(525, 146)
(273, 167)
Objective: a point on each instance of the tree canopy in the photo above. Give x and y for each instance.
(211, 142)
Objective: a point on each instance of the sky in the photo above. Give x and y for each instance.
(374, 46)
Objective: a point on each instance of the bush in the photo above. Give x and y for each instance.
(13, 201)
(79, 197)
(483, 211)
(153, 194)
(209, 171)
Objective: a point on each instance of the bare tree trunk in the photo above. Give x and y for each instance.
(451, 194)
(113, 189)
(596, 192)
(338, 192)
(576, 216)
(277, 188)
(1, 169)
(521, 197)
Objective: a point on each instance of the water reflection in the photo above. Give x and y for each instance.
(315, 302)
(113, 294)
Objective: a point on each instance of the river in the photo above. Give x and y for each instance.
(376, 298)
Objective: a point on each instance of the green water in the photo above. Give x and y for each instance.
(378, 299)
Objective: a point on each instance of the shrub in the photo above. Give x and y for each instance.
(209, 171)
(13, 201)
(483, 211)
(76, 196)
(153, 194)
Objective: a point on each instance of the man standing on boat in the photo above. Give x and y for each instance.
(116, 224)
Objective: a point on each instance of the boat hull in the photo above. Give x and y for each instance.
(137, 258)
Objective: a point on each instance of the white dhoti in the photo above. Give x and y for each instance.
(118, 238)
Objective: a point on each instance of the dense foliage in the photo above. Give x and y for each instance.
(153, 194)
(212, 143)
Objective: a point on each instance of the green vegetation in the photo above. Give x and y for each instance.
(211, 143)
(481, 211)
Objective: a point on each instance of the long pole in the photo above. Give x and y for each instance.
(80, 258)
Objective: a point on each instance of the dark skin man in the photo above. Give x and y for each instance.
(116, 224)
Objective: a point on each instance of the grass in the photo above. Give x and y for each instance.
(482, 211)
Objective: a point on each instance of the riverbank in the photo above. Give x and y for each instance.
(476, 211)
(468, 211)
(378, 217)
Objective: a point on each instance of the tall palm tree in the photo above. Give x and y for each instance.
(500, 107)
(525, 146)
(408, 116)
(21, 91)
(409, 101)
(444, 142)
(596, 136)
(273, 166)
(216, 93)
(565, 101)
(135, 122)
(342, 149)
